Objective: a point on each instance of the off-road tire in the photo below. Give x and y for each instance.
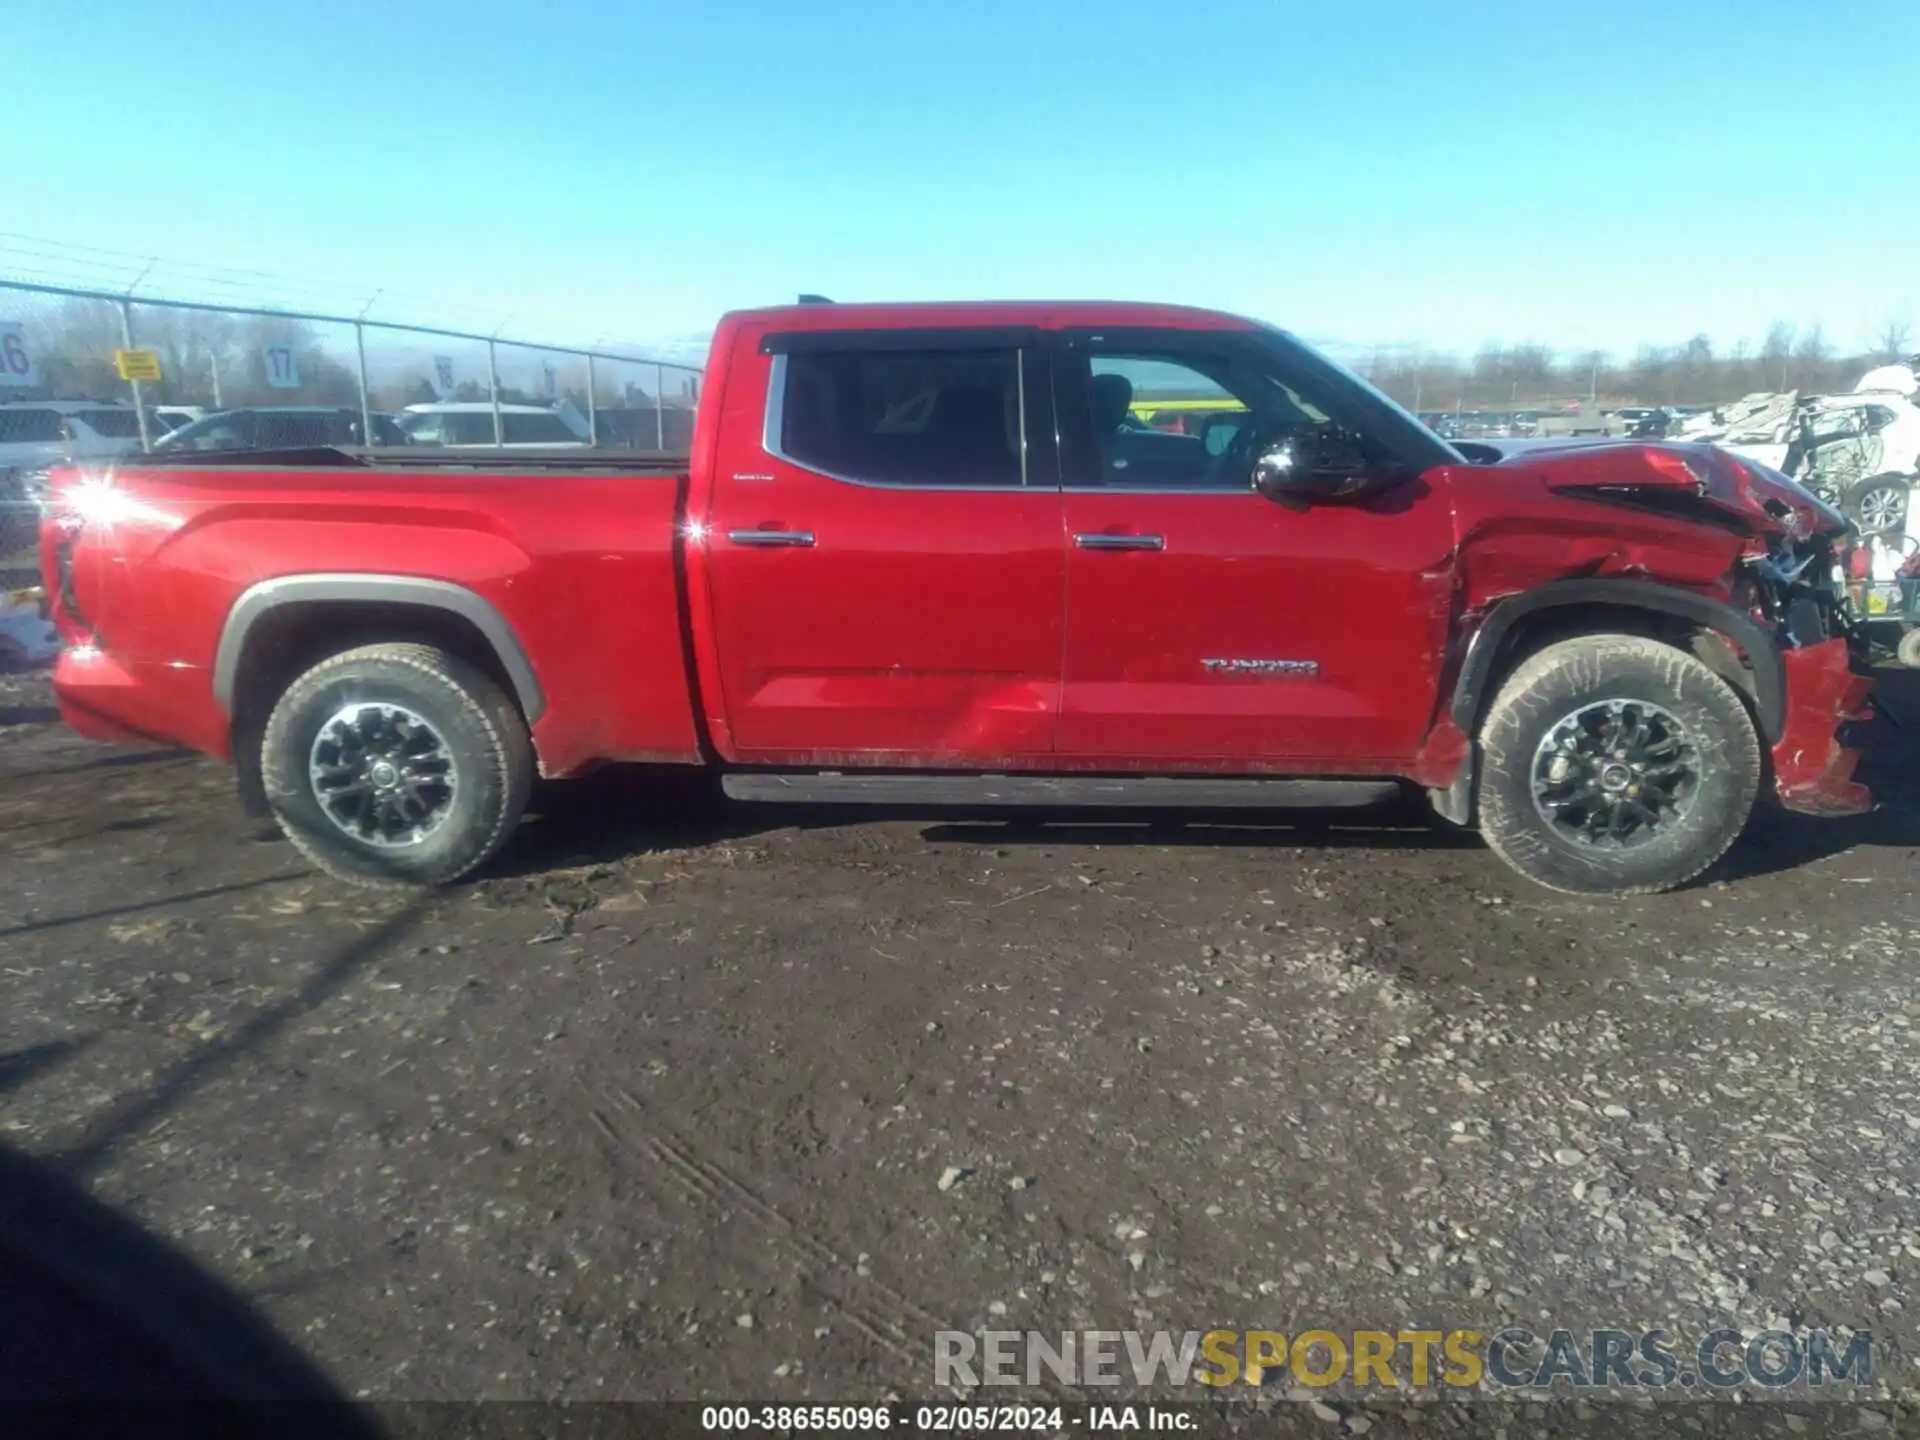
(1563, 678)
(482, 729)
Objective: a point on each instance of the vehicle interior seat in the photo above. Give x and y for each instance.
(1111, 397)
(968, 431)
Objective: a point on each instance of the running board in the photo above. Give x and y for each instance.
(1202, 792)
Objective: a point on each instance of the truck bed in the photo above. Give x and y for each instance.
(184, 570)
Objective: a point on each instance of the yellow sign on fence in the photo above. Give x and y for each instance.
(137, 364)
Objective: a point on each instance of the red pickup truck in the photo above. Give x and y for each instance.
(930, 553)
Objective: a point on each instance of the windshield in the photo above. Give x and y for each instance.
(1416, 443)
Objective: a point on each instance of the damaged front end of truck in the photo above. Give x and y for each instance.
(1711, 551)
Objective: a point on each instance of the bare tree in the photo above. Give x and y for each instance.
(1895, 339)
(1775, 353)
(1589, 376)
(1812, 357)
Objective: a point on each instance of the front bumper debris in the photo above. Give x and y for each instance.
(1812, 767)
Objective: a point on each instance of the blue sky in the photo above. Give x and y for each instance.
(1364, 173)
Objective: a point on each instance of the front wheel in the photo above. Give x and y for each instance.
(397, 765)
(1614, 765)
(1909, 652)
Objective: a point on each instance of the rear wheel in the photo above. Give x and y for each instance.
(1615, 765)
(1877, 505)
(396, 764)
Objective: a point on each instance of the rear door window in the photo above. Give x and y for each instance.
(902, 417)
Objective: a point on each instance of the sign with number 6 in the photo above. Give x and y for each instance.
(16, 361)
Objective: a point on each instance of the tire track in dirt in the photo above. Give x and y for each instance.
(627, 1122)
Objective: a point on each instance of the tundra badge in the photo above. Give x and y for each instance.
(1299, 668)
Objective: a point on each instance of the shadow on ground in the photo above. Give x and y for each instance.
(621, 812)
(93, 1309)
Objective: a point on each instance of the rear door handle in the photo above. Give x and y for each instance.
(1120, 542)
(767, 539)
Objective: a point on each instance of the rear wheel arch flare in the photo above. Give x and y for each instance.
(232, 657)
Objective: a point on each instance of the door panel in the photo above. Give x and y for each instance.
(882, 622)
(1253, 633)
(1205, 623)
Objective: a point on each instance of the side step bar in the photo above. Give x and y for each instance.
(1201, 792)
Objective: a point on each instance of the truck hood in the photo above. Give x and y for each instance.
(1672, 478)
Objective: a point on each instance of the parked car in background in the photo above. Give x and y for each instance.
(45, 432)
(1583, 419)
(37, 434)
(172, 417)
(1902, 379)
(278, 427)
(641, 427)
(468, 424)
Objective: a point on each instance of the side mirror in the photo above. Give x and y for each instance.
(1321, 464)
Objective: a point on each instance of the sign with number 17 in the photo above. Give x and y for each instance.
(283, 373)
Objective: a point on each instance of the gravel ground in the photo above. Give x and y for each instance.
(692, 1101)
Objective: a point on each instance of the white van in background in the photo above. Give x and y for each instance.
(468, 424)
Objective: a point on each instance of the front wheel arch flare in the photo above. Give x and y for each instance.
(1473, 688)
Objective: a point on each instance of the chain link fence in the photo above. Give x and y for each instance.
(213, 376)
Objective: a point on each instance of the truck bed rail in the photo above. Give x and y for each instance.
(332, 457)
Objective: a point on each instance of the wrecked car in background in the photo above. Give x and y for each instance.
(929, 554)
(1859, 451)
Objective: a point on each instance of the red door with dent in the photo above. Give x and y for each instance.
(886, 587)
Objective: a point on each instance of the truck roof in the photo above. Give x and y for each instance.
(1042, 314)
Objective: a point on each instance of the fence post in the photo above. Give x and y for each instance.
(593, 414)
(139, 401)
(366, 410)
(660, 407)
(493, 394)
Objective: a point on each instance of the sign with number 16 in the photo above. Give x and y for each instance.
(16, 361)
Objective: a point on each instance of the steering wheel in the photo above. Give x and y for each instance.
(1236, 461)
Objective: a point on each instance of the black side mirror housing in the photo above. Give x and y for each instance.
(1315, 465)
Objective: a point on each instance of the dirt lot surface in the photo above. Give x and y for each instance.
(683, 1100)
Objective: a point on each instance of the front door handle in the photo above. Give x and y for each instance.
(767, 539)
(1120, 542)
